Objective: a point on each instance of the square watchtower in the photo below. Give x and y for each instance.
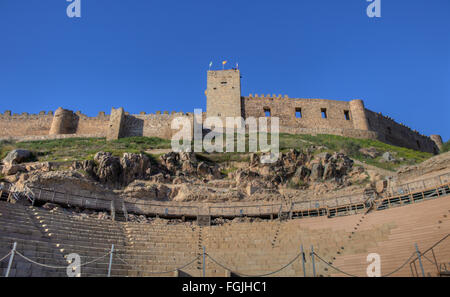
(223, 94)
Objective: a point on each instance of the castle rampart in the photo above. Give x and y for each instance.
(64, 122)
(296, 116)
(358, 115)
(14, 125)
(153, 125)
(300, 113)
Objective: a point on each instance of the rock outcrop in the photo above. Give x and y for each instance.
(113, 171)
(17, 156)
(134, 166)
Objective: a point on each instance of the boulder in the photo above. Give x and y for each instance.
(202, 169)
(188, 167)
(254, 159)
(108, 169)
(134, 166)
(44, 167)
(329, 171)
(388, 157)
(147, 190)
(290, 159)
(87, 166)
(323, 157)
(17, 156)
(250, 189)
(178, 180)
(171, 161)
(380, 186)
(302, 172)
(316, 171)
(184, 156)
(343, 164)
(243, 176)
(11, 169)
(214, 172)
(160, 178)
(370, 152)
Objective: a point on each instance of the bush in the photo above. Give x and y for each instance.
(446, 147)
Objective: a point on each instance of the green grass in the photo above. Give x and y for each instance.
(351, 147)
(228, 170)
(72, 149)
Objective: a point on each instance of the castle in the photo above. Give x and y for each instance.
(224, 99)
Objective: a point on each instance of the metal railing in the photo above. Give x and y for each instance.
(429, 261)
(413, 186)
(114, 256)
(170, 209)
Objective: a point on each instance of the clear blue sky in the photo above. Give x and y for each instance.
(153, 55)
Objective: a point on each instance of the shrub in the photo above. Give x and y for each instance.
(446, 147)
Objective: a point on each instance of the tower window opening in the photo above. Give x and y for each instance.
(418, 144)
(347, 115)
(298, 113)
(324, 113)
(224, 83)
(389, 130)
(267, 112)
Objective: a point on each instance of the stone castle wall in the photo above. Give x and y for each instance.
(394, 133)
(296, 116)
(349, 119)
(152, 125)
(44, 126)
(65, 123)
(289, 110)
(92, 125)
(15, 125)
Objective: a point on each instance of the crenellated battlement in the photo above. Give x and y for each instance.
(273, 96)
(9, 114)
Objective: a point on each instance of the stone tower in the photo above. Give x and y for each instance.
(116, 122)
(223, 94)
(63, 122)
(358, 111)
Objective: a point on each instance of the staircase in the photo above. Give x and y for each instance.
(13, 194)
(3, 194)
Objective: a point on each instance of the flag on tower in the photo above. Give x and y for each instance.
(210, 64)
(223, 64)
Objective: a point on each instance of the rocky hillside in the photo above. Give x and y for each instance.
(183, 177)
(310, 167)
